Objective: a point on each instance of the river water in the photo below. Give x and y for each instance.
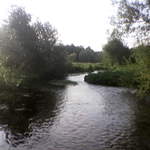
(75, 117)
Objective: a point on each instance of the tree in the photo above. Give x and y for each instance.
(59, 61)
(142, 56)
(133, 18)
(29, 49)
(88, 55)
(115, 52)
(45, 42)
(81, 54)
(19, 29)
(46, 36)
(142, 59)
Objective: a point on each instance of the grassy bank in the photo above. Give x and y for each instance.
(112, 78)
(122, 76)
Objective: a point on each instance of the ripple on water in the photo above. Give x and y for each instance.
(77, 117)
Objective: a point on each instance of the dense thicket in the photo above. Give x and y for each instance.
(28, 50)
(114, 52)
(142, 61)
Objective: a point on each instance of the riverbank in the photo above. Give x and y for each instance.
(112, 78)
(124, 76)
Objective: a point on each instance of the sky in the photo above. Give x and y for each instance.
(81, 22)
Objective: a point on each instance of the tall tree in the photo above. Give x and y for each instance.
(46, 40)
(19, 23)
(115, 52)
(133, 17)
(30, 47)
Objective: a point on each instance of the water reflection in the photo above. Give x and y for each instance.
(20, 110)
(77, 117)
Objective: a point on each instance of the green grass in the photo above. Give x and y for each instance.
(124, 75)
(131, 75)
(112, 78)
(85, 67)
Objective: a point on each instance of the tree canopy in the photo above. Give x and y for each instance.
(81, 54)
(133, 18)
(115, 52)
(30, 49)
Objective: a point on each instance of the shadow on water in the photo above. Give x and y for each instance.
(143, 125)
(20, 110)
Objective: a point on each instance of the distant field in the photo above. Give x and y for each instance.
(85, 67)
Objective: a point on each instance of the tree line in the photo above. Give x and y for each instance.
(81, 54)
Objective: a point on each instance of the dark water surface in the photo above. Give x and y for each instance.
(75, 117)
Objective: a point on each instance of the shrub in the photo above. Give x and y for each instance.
(112, 78)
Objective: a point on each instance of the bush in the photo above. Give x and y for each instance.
(142, 58)
(112, 78)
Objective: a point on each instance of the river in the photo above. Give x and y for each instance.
(75, 117)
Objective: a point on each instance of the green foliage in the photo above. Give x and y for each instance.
(59, 63)
(134, 74)
(72, 57)
(114, 52)
(133, 19)
(88, 55)
(84, 67)
(112, 78)
(144, 80)
(81, 54)
(28, 50)
(7, 76)
(142, 58)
